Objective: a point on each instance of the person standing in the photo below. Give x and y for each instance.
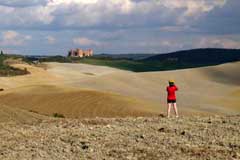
(171, 98)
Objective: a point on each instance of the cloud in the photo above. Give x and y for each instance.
(58, 2)
(129, 13)
(221, 21)
(25, 18)
(119, 25)
(218, 42)
(22, 3)
(101, 13)
(12, 38)
(83, 41)
(51, 39)
(193, 7)
(177, 29)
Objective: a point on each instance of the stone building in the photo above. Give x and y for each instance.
(80, 53)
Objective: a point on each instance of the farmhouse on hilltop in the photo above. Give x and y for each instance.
(80, 53)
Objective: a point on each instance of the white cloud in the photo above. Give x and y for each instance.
(51, 39)
(12, 38)
(193, 7)
(123, 25)
(25, 17)
(83, 41)
(84, 13)
(177, 28)
(58, 2)
(22, 3)
(218, 42)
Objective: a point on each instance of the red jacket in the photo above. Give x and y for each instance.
(171, 92)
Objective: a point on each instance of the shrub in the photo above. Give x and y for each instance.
(25, 71)
(33, 111)
(57, 115)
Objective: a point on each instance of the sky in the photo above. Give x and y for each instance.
(50, 27)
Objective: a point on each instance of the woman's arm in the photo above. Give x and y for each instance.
(176, 87)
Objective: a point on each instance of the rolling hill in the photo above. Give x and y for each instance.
(199, 56)
(81, 90)
(48, 100)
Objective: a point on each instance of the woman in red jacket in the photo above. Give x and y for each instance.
(171, 99)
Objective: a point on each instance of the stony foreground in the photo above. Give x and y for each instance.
(129, 138)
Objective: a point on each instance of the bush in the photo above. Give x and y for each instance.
(57, 115)
(25, 71)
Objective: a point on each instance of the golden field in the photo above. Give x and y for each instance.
(80, 91)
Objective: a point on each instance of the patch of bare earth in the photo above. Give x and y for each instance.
(157, 138)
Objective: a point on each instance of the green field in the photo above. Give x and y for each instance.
(126, 64)
(137, 66)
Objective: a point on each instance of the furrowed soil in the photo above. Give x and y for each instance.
(215, 137)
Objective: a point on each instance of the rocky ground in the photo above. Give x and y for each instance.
(157, 138)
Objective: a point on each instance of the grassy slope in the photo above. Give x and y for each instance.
(125, 64)
(7, 70)
(139, 66)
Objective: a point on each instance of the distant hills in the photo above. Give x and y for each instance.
(170, 61)
(131, 56)
(199, 56)
(155, 62)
